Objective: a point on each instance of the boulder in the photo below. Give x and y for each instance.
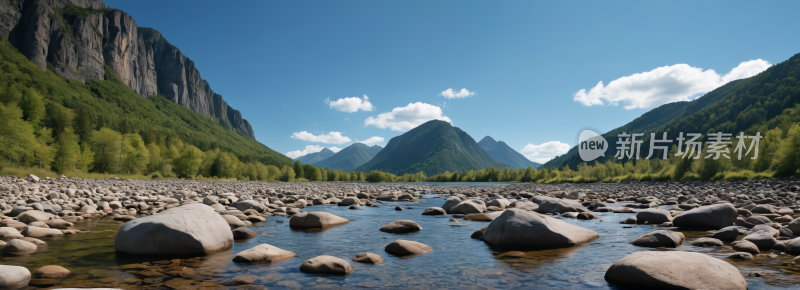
(794, 225)
(730, 233)
(653, 216)
(51, 272)
(517, 227)
(483, 217)
(401, 226)
(478, 234)
(434, 211)
(263, 253)
(19, 247)
(326, 265)
(34, 216)
(469, 206)
(368, 258)
(37, 232)
(706, 242)
(793, 246)
(557, 205)
(715, 216)
(233, 221)
(349, 201)
(243, 233)
(315, 219)
(674, 270)
(407, 248)
(746, 246)
(14, 277)
(7, 233)
(741, 256)
(193, 228)
(763, 240)
(662, 238)
(450, 203)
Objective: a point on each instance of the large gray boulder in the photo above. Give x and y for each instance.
(662, 238)
(14, 277)
(469, 206)
(715, 216)
(793, 246)
(653, 216)
(674, 270)
(188, 229)
(516, 227)
(19, 247)
(450, 203)
(34, 216)
(9, 233)
(315, 219)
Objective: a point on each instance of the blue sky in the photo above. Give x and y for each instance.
(524, 63)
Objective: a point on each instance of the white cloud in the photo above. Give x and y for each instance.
(332, 137)
(665, 84)
(308, 150)
(404, 118)
(351, 105)
(544, 152)
(335, 149)
(451, 94)
(372, 140)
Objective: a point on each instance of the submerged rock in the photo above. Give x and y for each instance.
(517, 227)
(401, 226)
(263, 253)
(51, 272)
(674, 270)
(368, 258)
(407, 248)
(188, 229)
(326, 265)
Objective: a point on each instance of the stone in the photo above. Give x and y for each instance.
(263, 253)
(193, 228)
(406, 248)
(746, 246)
(243, 233)
(714, 216)
(469, 206)
(401, 226)
(59, 224)
(674, 270)
(355, 206)
(349, 201)
(14, 277)
(326, 265)
(730, 233)
(34, 216)
(19, 247)
(763, 240)
(315, 219)
(557, 205)
(37, 232)
(450, 203)
(629, 221)
(51, 272)
(653, 216)
(517, 227)
(483, 217)
(794, 225)
(662, 238)
(434, 211)
(706, 242)
(478, 234)
(233, 221)
(7, 233)
(741, 256)
(764, 228)
(368, 258)
(240, 280)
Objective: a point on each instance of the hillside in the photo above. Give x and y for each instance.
(751, 105)
(433, 147)
(312, 158)
(501, 151)
(350, 158)
(78, 39)
(110, 103)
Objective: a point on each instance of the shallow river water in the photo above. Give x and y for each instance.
(457, 261)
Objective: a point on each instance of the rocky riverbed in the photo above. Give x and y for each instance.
(230, 234)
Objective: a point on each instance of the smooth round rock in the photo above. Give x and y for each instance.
(662, 238)
(407, 248)
(706, 242)
(746, 246)
(263, 253)
(243, 233)
(51, 272)
(516, 227)
(715, 216)
(401, 226)
(18, 247)
(14, 277)
(434, 211)
(674, 270)
(315, 219)
(326, 265)
(368, 258)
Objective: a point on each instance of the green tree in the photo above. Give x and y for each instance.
(32, 104)
(188, 164)
(135, 154)
(16, 135)
(789, 153)
(68, 152)
(58, 118)
(768, 147)
(43, 153)
(287, 173)
(105, 145)
(298, 169)
(85, 121)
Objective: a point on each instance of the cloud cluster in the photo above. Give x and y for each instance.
(664, 85)
(351, 105)
(451, 94)
(372, 141)
(308, 150)
(332, 137)
(405, 118)
(544, 152)
(335, 149)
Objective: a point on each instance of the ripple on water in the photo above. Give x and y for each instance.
(457, 261)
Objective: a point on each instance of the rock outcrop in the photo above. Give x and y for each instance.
(79, 37)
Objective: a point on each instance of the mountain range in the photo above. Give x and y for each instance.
(312, 158)
(79, 38)
(349, 158)
(751, 105)
(501, 151)
(433, 147)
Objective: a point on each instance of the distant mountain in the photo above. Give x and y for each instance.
(501, 151)
(751, 105)
(434, 147)
(349, 158)
(315, 157)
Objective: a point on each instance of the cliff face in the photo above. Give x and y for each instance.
(79, 37)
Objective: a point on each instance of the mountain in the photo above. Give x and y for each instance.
(433, 147)
(751, 105)
(501, 151)
(350, 158)
(312, 158)
(78, 38)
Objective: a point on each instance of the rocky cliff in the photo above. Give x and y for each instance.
(77, 38)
